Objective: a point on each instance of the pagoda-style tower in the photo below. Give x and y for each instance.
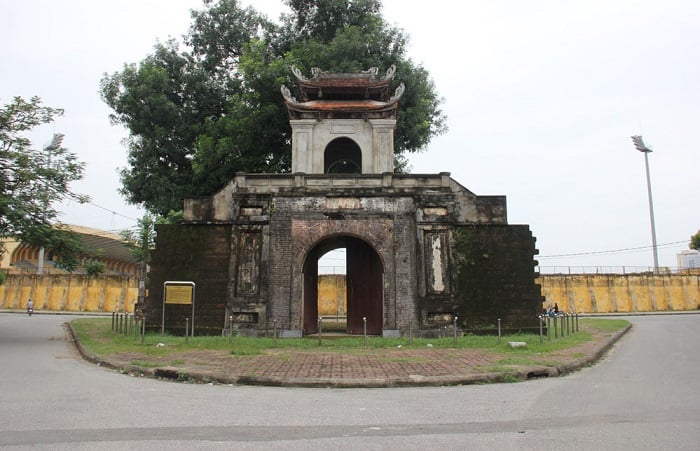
(343, 123)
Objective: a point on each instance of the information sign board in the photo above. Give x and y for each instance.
(178, 293)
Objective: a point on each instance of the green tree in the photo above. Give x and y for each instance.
(31, 180)
(94, 268)
(197, 116)
(695, 241)
(142, 240)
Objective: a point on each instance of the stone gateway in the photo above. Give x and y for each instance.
(421, 249)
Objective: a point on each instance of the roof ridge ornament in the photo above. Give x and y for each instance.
(287, 94)
(317, 73)
(398, 93)
(390, 72)
(373, 71)
(297, 73)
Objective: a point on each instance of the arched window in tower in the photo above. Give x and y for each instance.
(342, 156)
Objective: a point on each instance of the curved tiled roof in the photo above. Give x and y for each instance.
(110, 244)
(108, 247)
(344, 86)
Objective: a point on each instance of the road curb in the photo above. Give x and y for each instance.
(525, 373)
(596, 355)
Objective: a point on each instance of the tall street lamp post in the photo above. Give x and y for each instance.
(640, 146)
(55, 145)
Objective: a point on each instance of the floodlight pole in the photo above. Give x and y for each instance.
(55, 145)
(639, 145)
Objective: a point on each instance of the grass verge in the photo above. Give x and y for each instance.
(97, 336)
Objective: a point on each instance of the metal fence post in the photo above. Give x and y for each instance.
(230, 329)
(556, 328)
(410, 332)
(561, 323)
(320, 326)
(540, 317)
(364, 322)
(187, 327)
(455, 330)
(499, 330)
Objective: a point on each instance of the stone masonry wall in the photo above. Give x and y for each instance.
(194, 253)
(496, 276)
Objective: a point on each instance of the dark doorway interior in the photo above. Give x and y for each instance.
(364, 281)
(342, 156)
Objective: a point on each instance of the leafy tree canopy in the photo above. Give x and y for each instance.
(695, 241)
(32, 179)
(198, 115)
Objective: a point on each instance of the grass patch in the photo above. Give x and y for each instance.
(97, 336)
(495, 369)
(605, 324)
(246, 350)
(510, 378)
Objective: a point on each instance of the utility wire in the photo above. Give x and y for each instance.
(612, 251)
(114, 213)
(577, 254)
(111, 211)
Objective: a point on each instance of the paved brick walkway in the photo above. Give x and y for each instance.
(387, 364)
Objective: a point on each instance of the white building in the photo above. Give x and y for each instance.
(688, 259)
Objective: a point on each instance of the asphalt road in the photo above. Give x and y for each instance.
(644, 395)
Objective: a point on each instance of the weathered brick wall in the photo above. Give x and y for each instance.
(496, 276)
(377, 232)
(280, 286)
(193, 253)
(404, 281)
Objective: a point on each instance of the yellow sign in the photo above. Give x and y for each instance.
(178, 294)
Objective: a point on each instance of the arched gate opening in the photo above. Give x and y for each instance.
(364, 285)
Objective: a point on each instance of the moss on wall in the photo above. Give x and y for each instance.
(496, 276)
(193, 253)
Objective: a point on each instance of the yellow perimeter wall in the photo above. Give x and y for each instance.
(75, 293)
(584, 293)
(332, 299)
(608, 293)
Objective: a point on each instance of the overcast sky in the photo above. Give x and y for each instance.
(541, 97)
